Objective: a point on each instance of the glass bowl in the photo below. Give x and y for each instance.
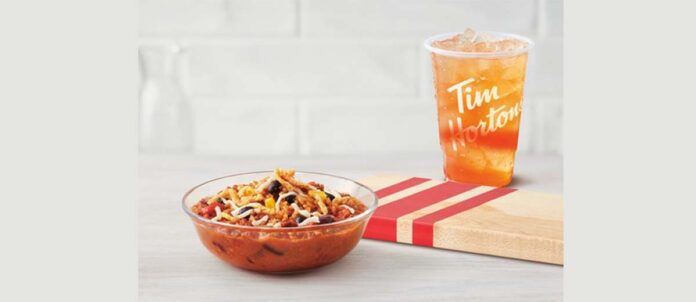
(281, 250)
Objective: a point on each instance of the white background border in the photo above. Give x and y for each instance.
(629, 150)
(69, 202)
(68, 120)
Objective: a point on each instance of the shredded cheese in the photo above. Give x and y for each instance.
(265, 184)
(280, 198)
(336, 194)
(322, 207)
(226, 216)
(352, 211)
(260, 221)
(313, 219)
(285, 195)
(225, 201)
(217, 214)
(236, 214)
(234, 195)
(244, 203)
(317, 195)
(243, 215)
(304, 213)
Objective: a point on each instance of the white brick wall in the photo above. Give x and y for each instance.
(245, 126)
(376, 126)
(303, 68)
(343, 77)
(219, 18)
(413, 18)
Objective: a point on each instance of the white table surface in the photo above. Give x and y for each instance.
(174, 265)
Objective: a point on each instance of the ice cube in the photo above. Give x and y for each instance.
(472, 41)
(511, 44)
(485, 47)
(469, 35)
(485, 37)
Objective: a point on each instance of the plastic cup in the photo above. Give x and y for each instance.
(479, 104)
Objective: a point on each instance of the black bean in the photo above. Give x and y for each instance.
(326, 219)
(329, 195)
(273, 250)
(300, 219)
(244, 209)
(274, 188)
(290, 199)
(220, 247)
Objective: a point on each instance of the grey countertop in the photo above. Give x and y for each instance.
(174, 266)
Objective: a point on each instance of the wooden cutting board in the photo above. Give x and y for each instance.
(479, 219)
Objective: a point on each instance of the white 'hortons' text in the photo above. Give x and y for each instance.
(468, 100)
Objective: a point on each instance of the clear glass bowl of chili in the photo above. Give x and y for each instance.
(286, 249)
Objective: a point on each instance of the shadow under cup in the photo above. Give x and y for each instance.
(479, 105)
(281, 250)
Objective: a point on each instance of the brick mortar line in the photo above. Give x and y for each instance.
(298, 19)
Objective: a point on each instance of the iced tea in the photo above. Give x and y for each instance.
(479, 81)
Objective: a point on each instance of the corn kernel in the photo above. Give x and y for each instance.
(316, 194)
(246, 191)
(270, 202)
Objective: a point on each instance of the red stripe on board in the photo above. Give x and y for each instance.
(411, 182)
(382, 225)
(423, 226)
